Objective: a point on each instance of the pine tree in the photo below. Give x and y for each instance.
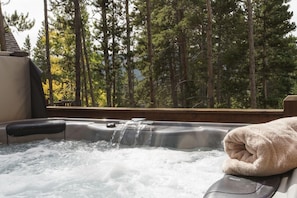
(276, 51)
(158, 56)
(27, 47)
(20, 21)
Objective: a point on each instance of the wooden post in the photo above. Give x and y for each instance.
(290, 105)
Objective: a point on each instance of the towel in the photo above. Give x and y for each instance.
(262, 149)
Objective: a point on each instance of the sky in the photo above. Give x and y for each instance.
(35, 10)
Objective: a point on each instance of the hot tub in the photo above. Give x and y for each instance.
(63, 157)
(67, 157)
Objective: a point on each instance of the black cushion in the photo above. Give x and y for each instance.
(244, 187)
(32, 127)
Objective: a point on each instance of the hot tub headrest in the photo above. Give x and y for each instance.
(34, 127)
(231, 186)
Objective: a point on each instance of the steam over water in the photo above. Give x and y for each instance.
(100, 170)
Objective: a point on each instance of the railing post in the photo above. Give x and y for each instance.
(290, 105)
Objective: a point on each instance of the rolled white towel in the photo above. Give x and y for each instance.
(262, 149)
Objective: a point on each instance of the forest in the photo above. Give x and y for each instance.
(167, 54)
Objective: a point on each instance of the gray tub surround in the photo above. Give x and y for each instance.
(179, 135)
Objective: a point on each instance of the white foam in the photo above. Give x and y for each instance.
(79, 169)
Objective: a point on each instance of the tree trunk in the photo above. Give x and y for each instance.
(182, 48)
(252, 66)
(113, 63)
(172, 70)
(48, 60)
(106, 54)
(129, 62)
(219, 81)
(210, 81)
(2, 31)
(150, 53)
(84, 82)
(78, 45)
(86, 55)
(265, 60)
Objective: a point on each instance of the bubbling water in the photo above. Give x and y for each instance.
(83, 169)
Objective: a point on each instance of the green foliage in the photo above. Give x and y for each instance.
(177, 24)
(20, 21)
(27, 47)
(276, 52)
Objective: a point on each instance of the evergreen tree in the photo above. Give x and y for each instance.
(47, 47)
(20, 21)
(276, 51)
(157, 55)
(27, 47)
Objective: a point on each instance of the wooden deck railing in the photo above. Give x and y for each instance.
(180, 114)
